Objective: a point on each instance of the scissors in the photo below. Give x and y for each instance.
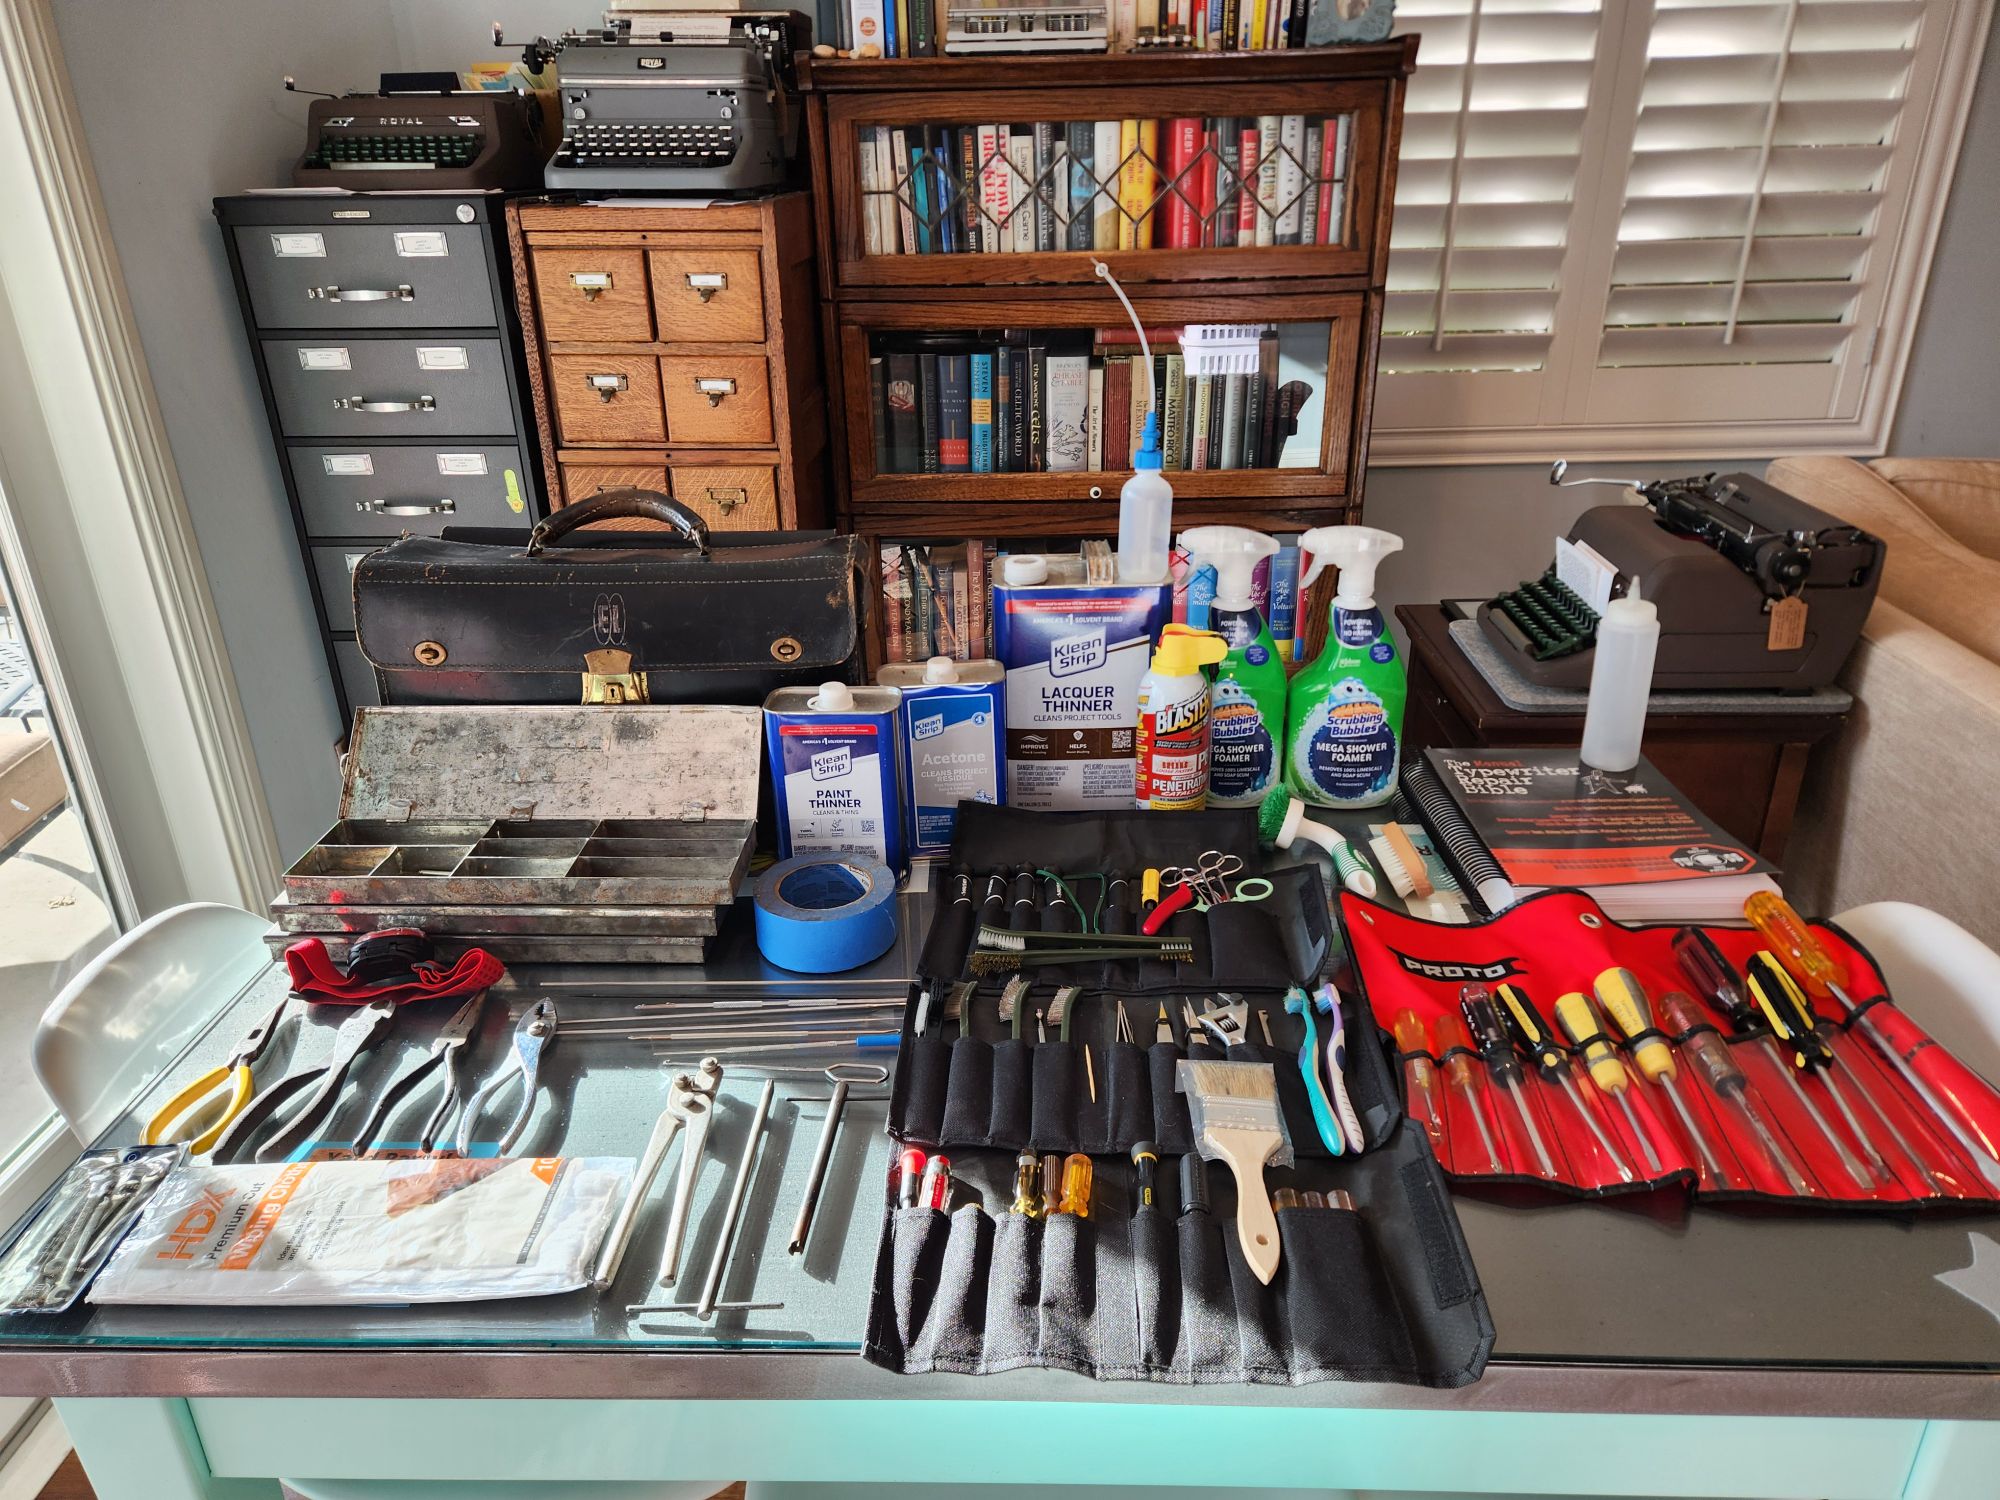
(356, 1034)
(1202, 885)
(449, 1048)
(199, 1113)
(535, 1034)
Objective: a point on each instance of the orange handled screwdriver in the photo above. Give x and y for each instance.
(1456, 1045)
(1579, 1020)
(1822, 974)
(1532, 1035)
(1710, 972)
(1620, 993)
(1415, 1044)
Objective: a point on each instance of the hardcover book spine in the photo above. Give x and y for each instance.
(981, 375)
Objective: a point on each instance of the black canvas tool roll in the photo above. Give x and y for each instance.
(1385, 1292)
(568, 616)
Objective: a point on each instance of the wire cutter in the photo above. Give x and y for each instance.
(449, 1048)
(199, 1113)
(356, 1034)
(532, 1037)
(690, 1104)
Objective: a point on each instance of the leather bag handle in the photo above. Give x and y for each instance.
(648, 505)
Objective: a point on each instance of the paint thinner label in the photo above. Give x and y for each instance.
(831, 781)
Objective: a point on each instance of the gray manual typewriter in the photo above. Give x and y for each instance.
(676, 101)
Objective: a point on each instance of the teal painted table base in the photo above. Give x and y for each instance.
(235, 1449)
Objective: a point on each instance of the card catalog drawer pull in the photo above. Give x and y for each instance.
(369, 403)
(360, 294)
(445, 507)
(607, 386)
(715, 387)
(705, 284)
(593, 284)
(726, 500)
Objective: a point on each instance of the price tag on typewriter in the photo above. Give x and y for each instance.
(1787, 628)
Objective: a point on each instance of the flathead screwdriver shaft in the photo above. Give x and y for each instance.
(1454, 1047)
(1489, 1034)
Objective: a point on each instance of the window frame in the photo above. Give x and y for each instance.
(1865, 385)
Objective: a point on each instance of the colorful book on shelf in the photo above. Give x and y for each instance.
(1138, 182)
(1094, 432)
(1038, 405)
(1020, 196)
(1003, 413)
(1309, 201)
(1117, 439)
(991, 194)
(1269, 168)
(1183, 224)
(1204, 390)
(1291, 179)
(1080, 204)
(1107, 171)
(1173, 410)
(895, 606)
(971, 241)
(1044, 186)
(975, 613)
(980, 373)
(1265, 428)
(1018, 430)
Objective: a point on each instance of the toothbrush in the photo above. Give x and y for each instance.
(1328, 1004)
(1324, 1119)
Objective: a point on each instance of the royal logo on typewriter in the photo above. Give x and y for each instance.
(829, 765)
(608, 619)
(1458, 970)
(928, 727)
(1076, 653)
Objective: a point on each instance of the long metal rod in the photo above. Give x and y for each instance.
(1981, 1156)
(822, 1154)
(1848, 1159)
(1603, 1139)
(1528, 1120)
(1896, 1135)
(1773, 1147)
(1653, 1164)
(732, 1213)
(1840, 1102)
(1709, 1157)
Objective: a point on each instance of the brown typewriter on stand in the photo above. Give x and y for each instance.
(1756, 589)
(423, 139)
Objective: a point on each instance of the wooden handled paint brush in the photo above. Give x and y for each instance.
(1234, 1108)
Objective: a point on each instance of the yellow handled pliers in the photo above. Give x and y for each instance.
(199, 1113)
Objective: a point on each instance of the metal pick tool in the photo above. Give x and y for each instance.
(843, 1075)
(690, 1100)
(732, 1218)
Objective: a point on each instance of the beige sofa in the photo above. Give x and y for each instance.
(1905, 804)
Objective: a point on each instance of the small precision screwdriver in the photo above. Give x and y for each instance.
(1715, 977)
(1578, 1018)
(1421, 1074)
(1052, 1185)
(1621, 994)
(1790, 1016)
(1028, 1185)
(1456, 1044)
(1145, 1163)
(1475, 1001)
(1962, 1101)
(1711, 1054)
(1532, 1035)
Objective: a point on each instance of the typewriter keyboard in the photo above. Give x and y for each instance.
(347, 152)
(648, 145)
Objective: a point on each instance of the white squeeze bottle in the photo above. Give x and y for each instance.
(1621, 680)
(1146, 503)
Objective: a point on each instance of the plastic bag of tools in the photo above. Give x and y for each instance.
(441, 1229)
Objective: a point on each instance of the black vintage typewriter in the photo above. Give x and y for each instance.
(665, 101)
(447, 142)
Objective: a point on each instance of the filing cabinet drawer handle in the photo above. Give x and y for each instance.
(360, 294)
(726, 500)
(705, 284)
(593, 284)
(444, 507)
(715, 387)
(607, 386)
(369, 403)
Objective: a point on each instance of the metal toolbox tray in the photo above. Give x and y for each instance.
(615, 827)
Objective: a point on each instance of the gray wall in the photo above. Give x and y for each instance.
(180, 102)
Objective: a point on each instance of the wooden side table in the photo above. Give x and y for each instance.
(1743, 770)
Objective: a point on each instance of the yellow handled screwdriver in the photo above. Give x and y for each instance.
(1579, 1021)
(1791, 1018)
(1711, 1055)
(1806, 957)
(1706, 967)
(1475, 1002)
(1621, 994)
(1531, 1033)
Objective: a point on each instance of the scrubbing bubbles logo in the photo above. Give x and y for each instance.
(1353, 752)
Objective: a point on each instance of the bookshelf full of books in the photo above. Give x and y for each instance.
(1242, 199)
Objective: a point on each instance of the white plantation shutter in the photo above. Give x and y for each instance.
(1677, 227)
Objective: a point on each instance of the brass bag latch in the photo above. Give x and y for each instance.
(608, 678)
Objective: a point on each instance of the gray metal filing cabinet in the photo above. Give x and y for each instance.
(387, 347)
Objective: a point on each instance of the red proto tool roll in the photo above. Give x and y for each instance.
(1715, 1082)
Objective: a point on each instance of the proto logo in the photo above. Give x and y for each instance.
(928, 727)
(1456, 971)
(607, 619)
(1076, 653)
(831, 763)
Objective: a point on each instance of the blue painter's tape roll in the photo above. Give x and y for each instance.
(821, 913)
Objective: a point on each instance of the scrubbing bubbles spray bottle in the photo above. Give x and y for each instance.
(1344, 718)
(1247, 710)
